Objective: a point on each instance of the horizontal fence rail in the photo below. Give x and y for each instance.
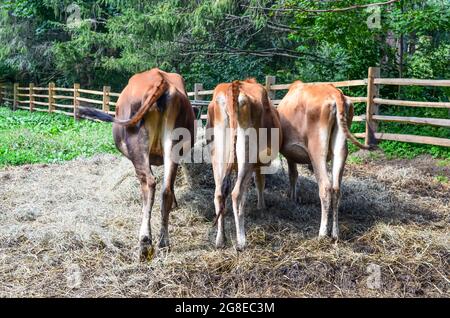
(61, 100)
(66, 100)
(410, 138)
(382, 101)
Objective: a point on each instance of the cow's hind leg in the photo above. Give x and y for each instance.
(325, 195)
(148, 185)
(220, 196)
(318, 154)
(167, 200)
(220, 148)
(239, 196)
(293, 177)
(340, 151)
(260, 183)
(222, 182)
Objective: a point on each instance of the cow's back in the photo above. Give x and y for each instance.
(303, 111)
(173, 111)
(264, 115)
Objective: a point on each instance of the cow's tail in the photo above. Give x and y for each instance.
(233, 97)
(94, 114)
(342, 122)
(150, 98)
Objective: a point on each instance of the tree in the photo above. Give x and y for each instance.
(220, 40)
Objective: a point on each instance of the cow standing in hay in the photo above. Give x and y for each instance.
(315, 120)
(149, 109)
(236, 110)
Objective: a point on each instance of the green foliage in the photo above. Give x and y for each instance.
(396, 149)
(444, 163)
(116, 38)
(355, 160)
(44, 138)
(441, 179)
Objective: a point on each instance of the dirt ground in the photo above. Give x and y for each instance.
(70, 230)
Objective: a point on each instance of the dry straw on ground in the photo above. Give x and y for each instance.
(71, 230)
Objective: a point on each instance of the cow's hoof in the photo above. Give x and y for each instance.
(326, 240)
(220, 244)
(261, 206)
(324, 232)
(163, 243)
(335, 236)
(146, 252)
(174, 203)
(295, 199)
(323, 237)
(240, 247)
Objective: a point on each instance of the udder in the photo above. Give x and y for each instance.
(296, 151)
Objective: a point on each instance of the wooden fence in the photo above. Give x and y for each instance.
(65, 101)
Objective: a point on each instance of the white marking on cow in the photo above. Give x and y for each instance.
(221, 100)
(222, 142)
(145, 225)
(145, 229)
(242, 99)
(167, 148)
(241, 145)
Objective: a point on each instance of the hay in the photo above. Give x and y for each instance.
(71, 230)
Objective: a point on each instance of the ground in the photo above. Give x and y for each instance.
(70, 230)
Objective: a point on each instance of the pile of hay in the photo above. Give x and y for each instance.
(71, 230)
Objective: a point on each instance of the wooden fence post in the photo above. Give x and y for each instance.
(371, 108)
(51, 100)
(197, 87)
(16, 95)
(270, 80)
(31, 97)
(76, 102)
(106, 98)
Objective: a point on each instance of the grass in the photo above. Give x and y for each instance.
(355, 160)
(444, 163)
(442, 179)
(397, 149)
(46, 138)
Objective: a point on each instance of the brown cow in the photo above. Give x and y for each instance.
(315, 121)
(236, 110)
(151, 106)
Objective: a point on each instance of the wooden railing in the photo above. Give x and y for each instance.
(54, 99)
(372, 101)
(66, 100)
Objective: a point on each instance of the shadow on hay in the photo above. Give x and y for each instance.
(365, 202)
